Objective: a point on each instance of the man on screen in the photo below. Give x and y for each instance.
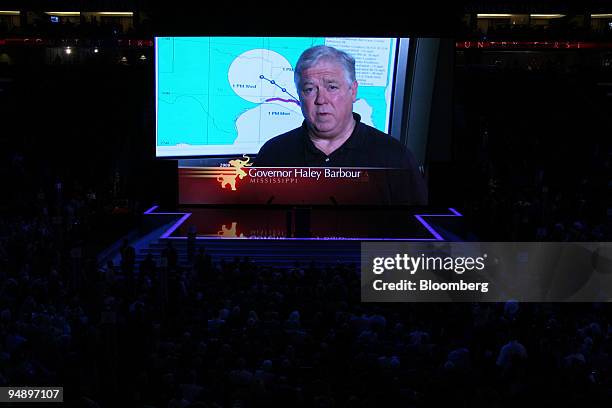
(332, 135)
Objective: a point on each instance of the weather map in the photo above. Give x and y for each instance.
(229, 95)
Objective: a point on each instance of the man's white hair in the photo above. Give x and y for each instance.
(313, 55)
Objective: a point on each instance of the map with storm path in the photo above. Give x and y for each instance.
(229, 95)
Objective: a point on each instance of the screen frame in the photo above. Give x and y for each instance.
(397, 117)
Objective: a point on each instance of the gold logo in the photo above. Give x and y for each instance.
(229, 232)
(229, 179)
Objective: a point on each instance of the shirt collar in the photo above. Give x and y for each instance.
(353, 142)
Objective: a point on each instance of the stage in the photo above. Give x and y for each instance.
(314, 223)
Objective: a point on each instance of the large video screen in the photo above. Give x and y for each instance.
(226, 96)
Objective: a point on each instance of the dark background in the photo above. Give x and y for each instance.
(519, 142)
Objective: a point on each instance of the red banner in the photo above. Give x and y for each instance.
(240, 184)
(559, 45)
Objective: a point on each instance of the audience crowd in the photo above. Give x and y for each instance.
(217, 333)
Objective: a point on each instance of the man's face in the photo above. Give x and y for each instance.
(327, 99)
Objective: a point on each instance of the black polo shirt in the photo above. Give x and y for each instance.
(366, 147)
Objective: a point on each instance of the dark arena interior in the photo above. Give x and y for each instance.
(126, 284)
